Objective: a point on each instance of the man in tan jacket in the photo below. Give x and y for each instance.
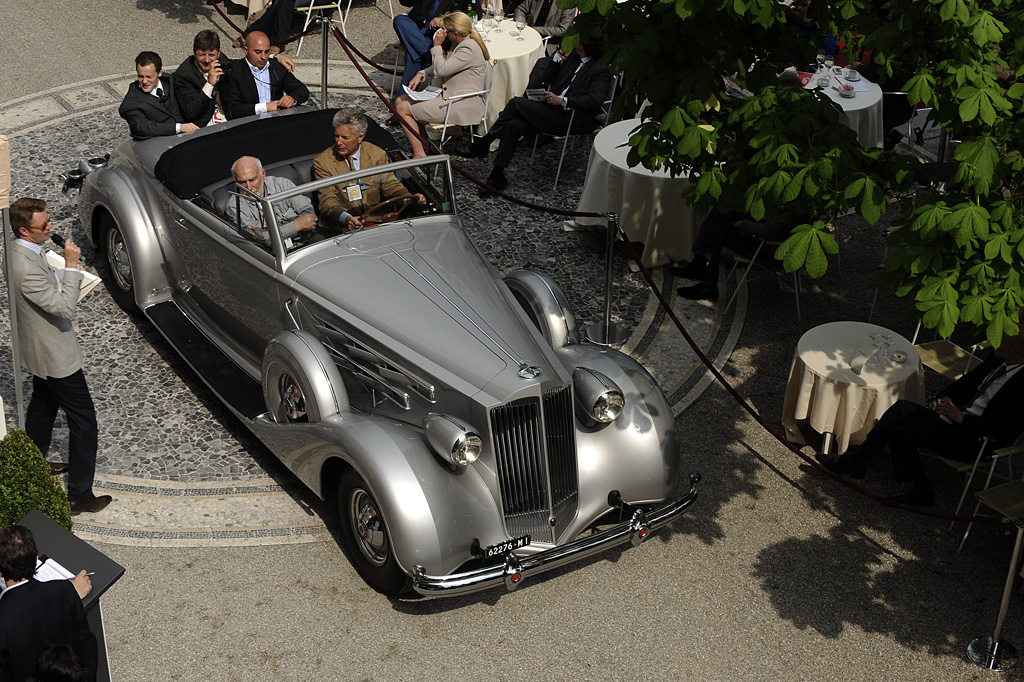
(341, 206)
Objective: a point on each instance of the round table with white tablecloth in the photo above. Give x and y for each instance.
(862, 112)
(650, 203)
(514, 60)
(825, 389)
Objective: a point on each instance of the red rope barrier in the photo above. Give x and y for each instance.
(241, 31)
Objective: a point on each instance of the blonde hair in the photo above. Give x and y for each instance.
(459, 22)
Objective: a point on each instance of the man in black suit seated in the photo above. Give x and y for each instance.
(34, 615)
(149, 106)
(984, 402)
(197, 82)
(574, 83)
(257, 85)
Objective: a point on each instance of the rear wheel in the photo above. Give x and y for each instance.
(121, 277)
(365, 538)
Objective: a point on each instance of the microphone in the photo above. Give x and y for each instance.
(57, 239)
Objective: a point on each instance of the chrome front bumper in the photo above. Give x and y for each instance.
(515, 569)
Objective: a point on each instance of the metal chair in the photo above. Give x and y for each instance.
(321, 6)
(762, 242)
(485, 95)
(606, 112)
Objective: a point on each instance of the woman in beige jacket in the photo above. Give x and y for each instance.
(462, 70)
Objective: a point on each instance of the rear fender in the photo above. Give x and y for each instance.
(110, 194)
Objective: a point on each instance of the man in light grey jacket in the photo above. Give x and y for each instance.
(293, 215)
(49, 348)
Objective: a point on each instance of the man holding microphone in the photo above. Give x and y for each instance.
(49, 348)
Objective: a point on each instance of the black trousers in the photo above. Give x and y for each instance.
(907, 426)
(521, 117)
(276, 22)
(70, 394)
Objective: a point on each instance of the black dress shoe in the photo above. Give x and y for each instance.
(57, 468)
(90, 504)
(695, 270)
(470, 151)
(915, 498)
(851, 466)
(498, 182)
(702, 291)
(393, 121)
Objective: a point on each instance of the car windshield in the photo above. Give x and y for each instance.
(343, 204)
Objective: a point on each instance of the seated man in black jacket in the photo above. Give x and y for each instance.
(258, 84)
(197, 82)
(985, 402)
(576, 83)
(150, 106)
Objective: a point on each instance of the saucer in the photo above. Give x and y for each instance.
(852, 76)
(847, 93)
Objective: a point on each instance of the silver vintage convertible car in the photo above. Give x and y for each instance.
(465, 435)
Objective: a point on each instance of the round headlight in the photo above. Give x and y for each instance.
(608, 406)
(453, 439)
(467, 449)
(598, 396)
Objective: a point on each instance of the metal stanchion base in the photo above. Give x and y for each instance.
(979, 651)
(617, 334)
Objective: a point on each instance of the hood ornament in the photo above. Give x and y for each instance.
(529, 371)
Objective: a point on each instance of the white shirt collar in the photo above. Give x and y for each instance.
(32, 246)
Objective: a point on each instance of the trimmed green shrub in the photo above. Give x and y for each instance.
(26, 483)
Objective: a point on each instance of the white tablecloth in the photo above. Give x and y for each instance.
(252, 6)
(834, 399)
(515, 59)
(862, 112)
(650, 204)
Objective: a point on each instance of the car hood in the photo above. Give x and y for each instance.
(425, 294)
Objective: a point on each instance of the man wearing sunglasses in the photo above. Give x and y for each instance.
(50, 350)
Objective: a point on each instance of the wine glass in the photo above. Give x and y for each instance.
(830, 61)
(499, 14)
(520, 25)
(821, 58)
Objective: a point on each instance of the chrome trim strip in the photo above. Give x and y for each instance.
(535, 564)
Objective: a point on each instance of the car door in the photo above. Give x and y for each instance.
(231, 278)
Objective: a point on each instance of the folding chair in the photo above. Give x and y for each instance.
(995, 456)
(321, 6)
(485, 95)
(945, 357)
(762, 242)
(606, 112)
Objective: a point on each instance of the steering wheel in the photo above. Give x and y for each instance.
(407, 203)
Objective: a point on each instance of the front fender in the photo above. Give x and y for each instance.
(110, 193)
(433, 513)
(638, 453)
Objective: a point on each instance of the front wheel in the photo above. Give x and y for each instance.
(121, 279)
(365, 538)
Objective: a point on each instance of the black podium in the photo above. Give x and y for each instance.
(75, 554)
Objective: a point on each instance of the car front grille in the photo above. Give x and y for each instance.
(535, 450)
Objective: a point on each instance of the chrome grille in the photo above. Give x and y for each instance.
(536, 463)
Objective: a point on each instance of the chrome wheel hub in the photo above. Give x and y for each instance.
(120, 263)
(292, 401)
(368, 527)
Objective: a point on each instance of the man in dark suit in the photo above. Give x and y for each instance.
(257, 85)
(149, 106)
(197, 82)
(49, 348)
(415, 30)
(34, 615)
(574, 83)
(985, 402)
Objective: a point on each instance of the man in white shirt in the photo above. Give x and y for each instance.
(257, 84)
(985, 402)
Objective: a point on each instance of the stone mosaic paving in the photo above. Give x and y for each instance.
(182, 469)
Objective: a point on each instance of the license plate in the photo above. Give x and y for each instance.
(503, 548)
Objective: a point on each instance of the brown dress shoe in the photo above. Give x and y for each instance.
(90, 504)
(57, 468)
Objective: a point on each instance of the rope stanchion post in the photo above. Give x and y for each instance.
(604, 332)
(325, 29)
(992, 653)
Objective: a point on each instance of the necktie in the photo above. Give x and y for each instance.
(561, 91)
(351, 166)
(541, 17)
(430, 15)
(160, 94)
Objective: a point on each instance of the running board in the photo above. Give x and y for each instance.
(242, 393)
